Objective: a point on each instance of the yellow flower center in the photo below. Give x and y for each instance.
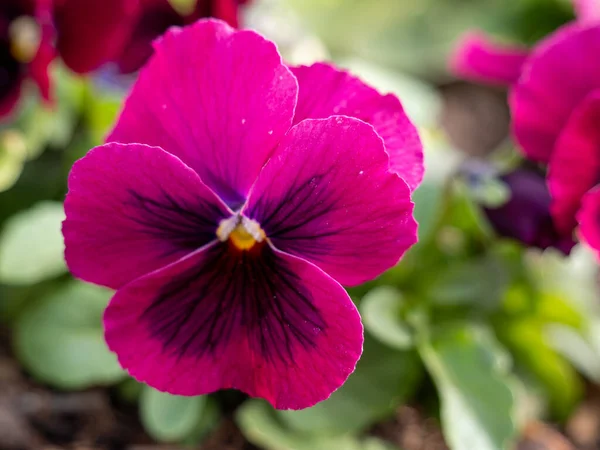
(242, 232)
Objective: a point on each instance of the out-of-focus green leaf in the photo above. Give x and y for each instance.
(261, 427)
(383, 379)
(13, 154)
(527, 343)
(575, 348)
(428, 200)
(211, 415)
(101, 113)
(479, 281)
(553, 308)
(31, 245)
(471, 374)
(59, 339)
(170, 418)
(381, 311)
(54, 125)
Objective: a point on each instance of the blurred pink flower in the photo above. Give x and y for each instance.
(25, 49)
(234, 196)
(94, 32)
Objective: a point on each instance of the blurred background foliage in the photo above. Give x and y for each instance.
(477, 332)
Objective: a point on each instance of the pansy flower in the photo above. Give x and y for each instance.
(233, 199)
(25, 49)
(556, 120)
(94, 32)
(480, 58)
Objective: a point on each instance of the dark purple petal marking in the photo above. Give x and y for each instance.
(132, 209)
(253, 292)
(327, 195)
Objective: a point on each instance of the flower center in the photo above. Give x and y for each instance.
(25, 36)
(242, 232)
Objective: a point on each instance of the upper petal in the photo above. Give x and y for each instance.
(479, 58)
(326, 91)
(132, 209)
(218, 99)
(263, 322)
(575, 164)
(93, 32)
(328, 196)
(560, 73)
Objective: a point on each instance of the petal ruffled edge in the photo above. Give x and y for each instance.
(244, 344)
(325, 90)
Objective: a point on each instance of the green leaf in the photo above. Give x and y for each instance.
(480, 281)
(101, 110)
(381, 311)
(259, 424)
(60, 341)
(170, 418)
(526, 341)
(31, 245)
(478, 404)
(383, 379)
(576, 348)
(428, 199)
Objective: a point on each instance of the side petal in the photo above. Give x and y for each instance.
(558, 76)
(587, 10)
(478, 58)
(132, 209)
(575, 164)
(93, 32)
(589, 219)
(327, 196)
(326, 91)
(218, 99)
(266, 323)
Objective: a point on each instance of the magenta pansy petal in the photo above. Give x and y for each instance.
(264, 322)
(325, 91)
(327, 196)
(589, 219)
(560, 73)
(479, 58)
(575, 164)
(132, 209)
(587, 10)
(218, 99)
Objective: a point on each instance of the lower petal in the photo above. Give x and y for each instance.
(575, 164)
(479, 59)
(261, 321)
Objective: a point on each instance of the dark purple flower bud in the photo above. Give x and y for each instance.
(525, 215)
